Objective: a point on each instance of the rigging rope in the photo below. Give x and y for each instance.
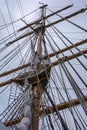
(85, 30)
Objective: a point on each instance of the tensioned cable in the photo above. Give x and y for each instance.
(15, 111)
(21, 10)
(6, 111)
(57, 112)
(71, 22)
(10, 53)
(8, 24)
(8, 37)
(6, 46)
(53, 49)
(10, 58)
(64, 125)
(13, 75)
(13, 29)
(5, 23)
(77, 90)
(74, 118)
(53, 115)
(67, 94)
(20, 7)
(15, 108)
(54, 81)
(52, 94)
(47, 123)
(13, 55)
(64, 55)
(10, 18)
(45, 103)
(63, 112)
(3, 90)
(24, 70)
(4, 19)
(50, 121)
(69, 42)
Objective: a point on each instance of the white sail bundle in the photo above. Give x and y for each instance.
(26, 121)
(36, 61)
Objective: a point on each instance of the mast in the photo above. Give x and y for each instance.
(36, 89)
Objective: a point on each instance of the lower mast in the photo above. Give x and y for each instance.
(37, 89)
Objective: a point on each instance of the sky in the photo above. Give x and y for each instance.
(18, 10)
(28, 6)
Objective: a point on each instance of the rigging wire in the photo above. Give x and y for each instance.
(47, 103)
(77, 90)
(8, 24)
(53, 79)
(20, 7)
(25, 57)
(13, 29)
(10, 58)
(64, 55)
(1, 92)
(70, 49)
(5, 23)
(65, 101)
(6, 38)
(6, 113)
(85, 30)
(67, 94)
(64, 125)
(57, 112)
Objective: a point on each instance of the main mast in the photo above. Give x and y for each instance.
(36, 88)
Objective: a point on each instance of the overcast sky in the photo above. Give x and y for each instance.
(29, 5)
(19, 8)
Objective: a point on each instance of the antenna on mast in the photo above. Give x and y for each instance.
(43, 5)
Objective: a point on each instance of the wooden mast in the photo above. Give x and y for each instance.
(36, 89)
